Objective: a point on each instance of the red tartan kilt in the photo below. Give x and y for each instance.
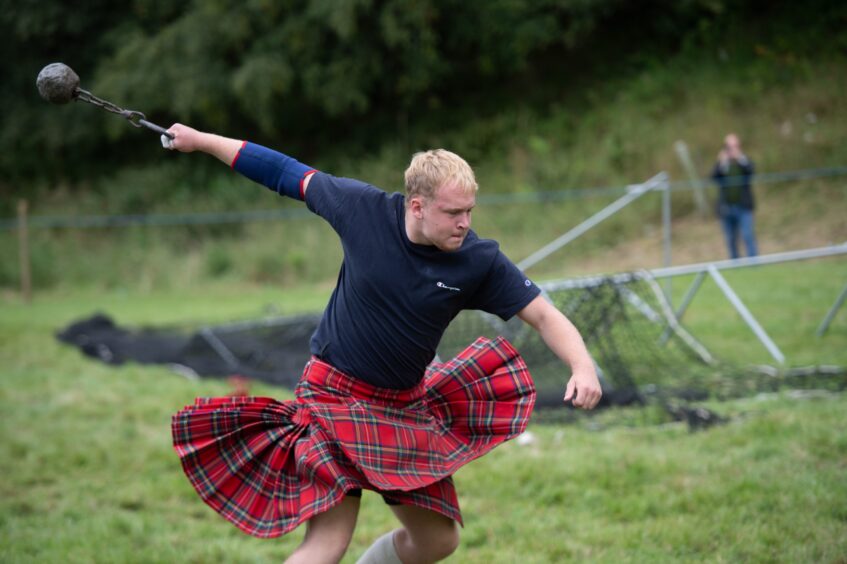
(268, 466)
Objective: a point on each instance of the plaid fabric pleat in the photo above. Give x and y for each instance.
(267, 466)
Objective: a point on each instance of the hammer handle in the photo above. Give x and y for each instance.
(156, 128)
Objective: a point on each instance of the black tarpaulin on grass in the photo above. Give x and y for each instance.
(273, 350)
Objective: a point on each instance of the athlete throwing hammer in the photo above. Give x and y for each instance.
(371, 412)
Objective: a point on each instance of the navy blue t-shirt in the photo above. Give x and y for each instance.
(394, 299)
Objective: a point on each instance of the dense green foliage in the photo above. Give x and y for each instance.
(356, 73)
(536, 95)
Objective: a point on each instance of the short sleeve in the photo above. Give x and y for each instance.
(505, 290)
(336, 199)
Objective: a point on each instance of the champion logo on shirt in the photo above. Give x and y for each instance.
(446, 287)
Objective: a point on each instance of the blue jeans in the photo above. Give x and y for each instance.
(736, 219)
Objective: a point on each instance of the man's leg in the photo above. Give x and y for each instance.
(426, 536)
(328, 534)
(748, 233)
(729, 222)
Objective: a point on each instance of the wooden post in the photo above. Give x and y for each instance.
(23, 247)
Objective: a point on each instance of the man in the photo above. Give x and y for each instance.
(733, 173)
(369, 413)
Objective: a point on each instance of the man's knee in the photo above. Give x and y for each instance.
(448, 541)
(439, 541)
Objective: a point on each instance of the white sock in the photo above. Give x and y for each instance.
(382, 551)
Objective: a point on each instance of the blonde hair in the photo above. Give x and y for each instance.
(431, 169)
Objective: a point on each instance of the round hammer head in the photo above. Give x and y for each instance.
(57, 83)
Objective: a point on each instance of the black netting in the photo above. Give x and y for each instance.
(640, 351)
(623, 324)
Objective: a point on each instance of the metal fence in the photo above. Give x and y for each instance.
(628, 194)
(540, 196)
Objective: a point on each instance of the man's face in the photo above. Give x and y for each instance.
(446, 217)
(733, 145)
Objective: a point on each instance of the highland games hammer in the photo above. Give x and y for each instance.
(59, 84)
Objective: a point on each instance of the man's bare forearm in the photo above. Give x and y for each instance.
(222, 148)
(187, 140)
(563, 338)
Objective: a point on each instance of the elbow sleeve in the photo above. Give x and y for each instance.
(280, 173)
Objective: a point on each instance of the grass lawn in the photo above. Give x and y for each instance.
(90, 476)
(788, 300)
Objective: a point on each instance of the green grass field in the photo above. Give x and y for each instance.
(90, 476)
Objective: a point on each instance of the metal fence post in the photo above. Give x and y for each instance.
(634, 192)
(696, 183)
(745, 314)
(686, 300)
(666, 236)
(831, 313)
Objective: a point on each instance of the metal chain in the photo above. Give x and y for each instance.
(132, 116)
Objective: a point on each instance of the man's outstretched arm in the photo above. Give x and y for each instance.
(565, 341)
(278, 172)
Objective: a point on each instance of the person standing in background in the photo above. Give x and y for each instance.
(733, 174)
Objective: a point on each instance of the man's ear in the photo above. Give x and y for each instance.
(416, 207)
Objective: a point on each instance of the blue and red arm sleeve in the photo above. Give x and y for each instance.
(280, 173)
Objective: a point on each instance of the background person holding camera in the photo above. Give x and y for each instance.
(733, 174)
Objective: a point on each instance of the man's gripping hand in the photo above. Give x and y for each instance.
(584, 388)
(187, 140)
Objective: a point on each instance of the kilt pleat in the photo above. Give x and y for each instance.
(267, 465)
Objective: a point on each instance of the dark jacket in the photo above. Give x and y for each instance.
(734, 179)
